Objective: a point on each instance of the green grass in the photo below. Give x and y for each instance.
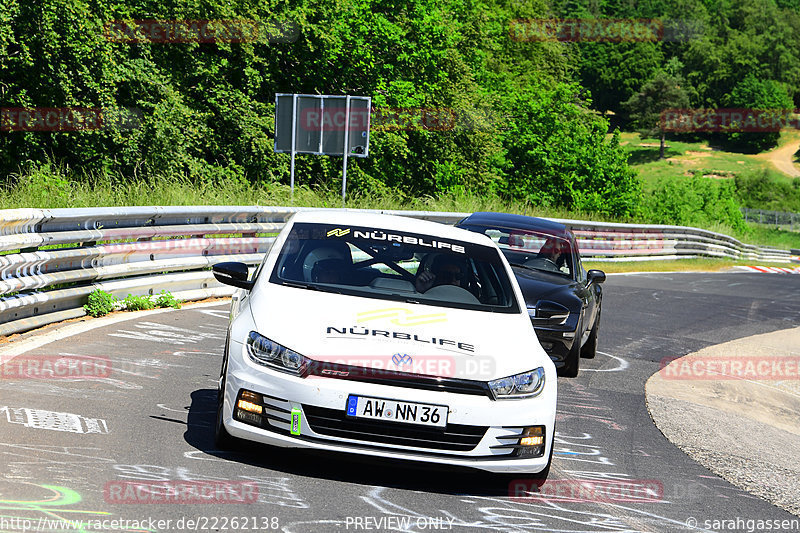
(687, 158)
(679, 265)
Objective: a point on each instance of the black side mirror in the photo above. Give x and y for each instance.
(596, 276)
(232, 273)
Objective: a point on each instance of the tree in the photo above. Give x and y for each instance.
(756, 94)
(666, 90)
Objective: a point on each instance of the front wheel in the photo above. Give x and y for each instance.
(222, 439)
(542, 476)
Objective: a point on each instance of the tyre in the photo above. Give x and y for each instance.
(542, 476)
(222, 439)
(589, 349)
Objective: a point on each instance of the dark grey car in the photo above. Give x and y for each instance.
(564, 301)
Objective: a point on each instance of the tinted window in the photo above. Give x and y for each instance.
(532, 249)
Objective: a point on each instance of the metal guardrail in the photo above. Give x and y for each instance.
(54, 258)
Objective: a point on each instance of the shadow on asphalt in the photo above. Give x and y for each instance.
(338, 466)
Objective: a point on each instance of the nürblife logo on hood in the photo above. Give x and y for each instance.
(360, 332)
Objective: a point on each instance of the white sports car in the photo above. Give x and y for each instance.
(389, 337)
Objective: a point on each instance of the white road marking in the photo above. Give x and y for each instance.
(623, 364)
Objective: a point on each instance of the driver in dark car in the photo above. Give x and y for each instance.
(555, 250)
(445, 270)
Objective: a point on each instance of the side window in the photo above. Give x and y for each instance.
(580, 272)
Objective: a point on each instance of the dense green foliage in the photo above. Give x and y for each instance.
(695, 201)
(526, 122)
(207, 109)
(723, 47)
(759, 191)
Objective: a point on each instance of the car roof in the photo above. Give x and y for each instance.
(390, 222)
(522, 222)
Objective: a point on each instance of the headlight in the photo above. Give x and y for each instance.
(269, 353)
(522, 385)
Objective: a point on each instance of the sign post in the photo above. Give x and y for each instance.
(313, 124)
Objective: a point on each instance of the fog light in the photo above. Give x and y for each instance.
(249, 406)
(532, 442)
(251, 397)
(250, 418)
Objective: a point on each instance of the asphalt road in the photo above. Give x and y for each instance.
(67, 447)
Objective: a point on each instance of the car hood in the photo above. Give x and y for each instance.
(415, 338)
(536, 285)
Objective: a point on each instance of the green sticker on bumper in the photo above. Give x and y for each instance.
(296, 415)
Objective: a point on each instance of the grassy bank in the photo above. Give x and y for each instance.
(696, 158)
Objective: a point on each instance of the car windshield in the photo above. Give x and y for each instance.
(395, 265)
(532, 249)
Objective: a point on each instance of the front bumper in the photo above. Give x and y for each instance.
(478, 432)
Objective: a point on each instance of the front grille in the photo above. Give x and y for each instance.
(398, 379)
(334, 423)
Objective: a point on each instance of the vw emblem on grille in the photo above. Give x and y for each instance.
(401, 359)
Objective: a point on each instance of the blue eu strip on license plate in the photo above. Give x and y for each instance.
(352, 405)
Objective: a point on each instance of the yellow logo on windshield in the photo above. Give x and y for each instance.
(338, 232)
(402, 317)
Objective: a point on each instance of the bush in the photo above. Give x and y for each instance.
(138, 303)
(694, 201)
(759, 190)
(100, 303)
(166, 299)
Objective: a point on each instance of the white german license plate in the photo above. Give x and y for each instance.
(396, 411)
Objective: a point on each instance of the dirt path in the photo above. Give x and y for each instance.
(783, 157)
